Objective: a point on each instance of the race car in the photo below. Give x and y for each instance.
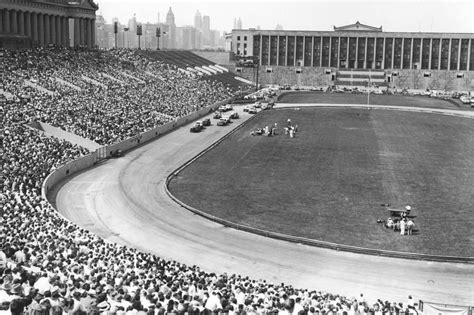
(223, 122)
(206, 122)
(197, 127)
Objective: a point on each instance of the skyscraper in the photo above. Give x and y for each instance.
(172, 29)
(198, 20)
(239, 23)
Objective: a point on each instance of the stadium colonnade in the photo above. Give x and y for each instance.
(50, 22)
(359, 54)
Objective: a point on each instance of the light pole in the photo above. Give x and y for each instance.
(139, 34)
(257, 61)
(158, 35)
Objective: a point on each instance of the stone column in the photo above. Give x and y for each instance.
(365, 53)
(430, 53)
(321, 51)
(58, 30)
(356, 65)
(403, 51)
(449, 54)
(304, 50)
(459, 55)
(52, 27)
(34, 26)
(47, 29)
(347, 53)
(439, 53)
(383, 52)
(338, 52)
(421, 52)
(286, 52)
(330, 51)
(312, 51)
(76, 32)
(41, 29)
(14, 22)
(82, 30)
(278, 50)
(93, 30)
(21, 23)
(65, 27)
(294, 53)
(393, 51)
(6, 21)
(411, 52)
(27, 18)
(468, 55)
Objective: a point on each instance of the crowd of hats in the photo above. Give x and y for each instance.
(51, 266)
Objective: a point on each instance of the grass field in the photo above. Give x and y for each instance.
(328, 183)
(346, 98)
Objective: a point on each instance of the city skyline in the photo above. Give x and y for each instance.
(418, 16)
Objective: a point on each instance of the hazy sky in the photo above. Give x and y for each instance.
(394, 15)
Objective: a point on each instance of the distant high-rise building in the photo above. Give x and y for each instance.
(206, 23)
(158, 16)
(279, 27)
(239, 23)
(172, 29)
(198, 20)
(170, 17)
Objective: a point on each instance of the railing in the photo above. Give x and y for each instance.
(432, 308)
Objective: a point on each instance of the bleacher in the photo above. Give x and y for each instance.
(360, 77)
(197, 65)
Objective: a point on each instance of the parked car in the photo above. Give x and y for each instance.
(228, 107)
(217, 115)
(234, 115)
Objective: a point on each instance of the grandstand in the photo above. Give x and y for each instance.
(207, 70)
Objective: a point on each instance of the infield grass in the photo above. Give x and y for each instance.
(329, 182)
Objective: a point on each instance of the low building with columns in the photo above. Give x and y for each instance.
(433, 57)
(68, 23)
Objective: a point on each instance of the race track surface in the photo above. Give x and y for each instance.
(124, 200)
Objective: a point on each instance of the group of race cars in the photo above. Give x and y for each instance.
(225, 114)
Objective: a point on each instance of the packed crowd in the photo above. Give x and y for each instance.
(49, 265)
(104, 96)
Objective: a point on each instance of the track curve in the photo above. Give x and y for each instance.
(124, 200)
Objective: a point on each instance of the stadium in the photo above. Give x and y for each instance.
(293, 198)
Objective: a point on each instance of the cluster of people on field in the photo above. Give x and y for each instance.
(290, 129)
(403, 224)
(49, 265)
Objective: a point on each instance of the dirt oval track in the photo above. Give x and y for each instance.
(124, 200)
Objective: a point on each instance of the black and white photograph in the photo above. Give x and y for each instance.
(266, 157)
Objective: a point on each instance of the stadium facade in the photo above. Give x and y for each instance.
(26, 23)
(358, 54)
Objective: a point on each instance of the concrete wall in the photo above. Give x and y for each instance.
(67, 170)
(409, 79)
(280, 75)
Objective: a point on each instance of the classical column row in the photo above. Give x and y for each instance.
(45, 29)
(388, 57)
